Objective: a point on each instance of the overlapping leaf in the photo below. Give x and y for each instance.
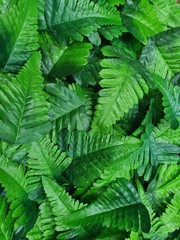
(121, 75)
(18, 34)
(24, 118)
(82, 17)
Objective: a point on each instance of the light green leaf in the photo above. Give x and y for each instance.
(162, 53)
(24, 118)
(123, 83)
(77, 18)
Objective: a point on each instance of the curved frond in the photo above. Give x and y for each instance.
(168, 12)
(24, 118)
(121, 75)
(119, 206)
(62, 206)
(81, 17)
(141, 20)
(171, 100)
(6, 221)
(162, 53)
(92, 154)
(164, 133)
(45, 159)
(36, 232)
(47, 221)
(12, 178)
(67, 107)
(166, 182)
(19, 36)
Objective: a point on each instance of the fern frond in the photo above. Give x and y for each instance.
(81, 17)
(165, 182)
(119, 206)
(47, 221)
(24, 119)
(89, 74)
(171, 100)
(6, 221)
(121, 167)
(36, 232)
(121, 75)
(92, 154)
(19, 36)
(141, 20)
(161, 54)
(5, 5)
(164, 133)
(45, 159)
(72, 60)
(67, 107)
(168, 222)
(51, 51)
(12, 178)
(168, 12)
(62, 206)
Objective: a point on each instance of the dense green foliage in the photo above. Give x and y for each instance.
(89, 119)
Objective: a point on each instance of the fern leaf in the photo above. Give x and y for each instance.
(62, 206)
(171, 100)
(5, 5)
(45, 159)
(6, 221)
(19, 37)
(164, 133)
(67, 107)
(81, 17)
(36, 232)
(69, 59)
(12, 178)
(165, 182)
(72, 60)
(161, 54)
(141, 20)
(89, 74)
(168, 12)
(171, 216)
(51, 51)
(121, 75)
(119, 207)
(24, 119)
(92, 154)
(47, 221)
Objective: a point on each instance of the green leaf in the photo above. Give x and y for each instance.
(18, 34)
(171, 100)
(168, 12)
(6, 220)
(62, 206)
(121, 75)
(12, 178)
(93, 153)
(36, 232)
(164, 185)
(67, 107)
(141, 19)
(162, 53)
(78, 18)
(164, 133)
(119, 206)
(47, 221)
(23, 109)
(72, 60)
(45, 159)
